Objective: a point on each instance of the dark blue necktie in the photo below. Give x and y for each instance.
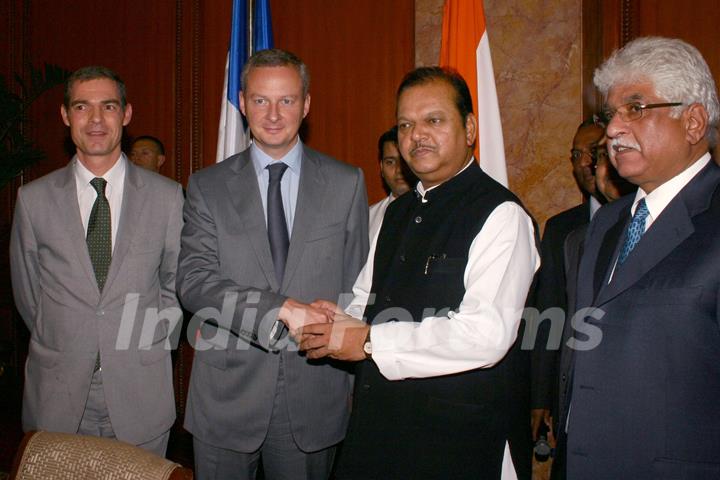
(635, 230)
(276, 223)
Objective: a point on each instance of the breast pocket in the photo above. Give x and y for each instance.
(326, 231)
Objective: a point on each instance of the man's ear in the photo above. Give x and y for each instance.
(127, 114)
(695, 121)
(306, 105)
(64, 115)
(242, 102)
(161, 160)
(470, 129)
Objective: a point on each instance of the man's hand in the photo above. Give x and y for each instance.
(538, 416)
(328, 307)
(343, 339)
(296, 315)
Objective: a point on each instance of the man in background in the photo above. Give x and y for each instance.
(549, 291)
(147, 152)
(93, 252)
(396, 176)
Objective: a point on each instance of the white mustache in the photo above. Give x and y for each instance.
(615, 143)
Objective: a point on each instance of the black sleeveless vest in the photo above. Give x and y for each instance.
(454, 426)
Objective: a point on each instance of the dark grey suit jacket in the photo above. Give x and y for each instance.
(643, 400)
(70, 320)
(226, 271)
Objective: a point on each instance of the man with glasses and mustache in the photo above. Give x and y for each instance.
(642, 403)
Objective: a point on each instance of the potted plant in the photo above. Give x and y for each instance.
(17, 152)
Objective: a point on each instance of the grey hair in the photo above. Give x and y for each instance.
(675, 68)
(275, 57)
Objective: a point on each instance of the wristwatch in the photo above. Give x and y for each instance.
(367, 346)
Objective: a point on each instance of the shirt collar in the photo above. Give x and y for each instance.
(292, 158)
(594, 206)
(83, 176)
(421, 192)
(659, 198)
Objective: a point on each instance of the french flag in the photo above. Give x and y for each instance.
(251, 31)
(465, 48)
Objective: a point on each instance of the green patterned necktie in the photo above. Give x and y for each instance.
(99, 239)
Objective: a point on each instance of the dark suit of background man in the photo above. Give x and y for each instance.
(83, 373)
(443, 391)
(254, 394)
(549, 291)
(643, 402)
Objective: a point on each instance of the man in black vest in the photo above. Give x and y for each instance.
(440, 392)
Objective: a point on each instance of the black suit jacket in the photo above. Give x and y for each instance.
(645, 398)
(549, 292)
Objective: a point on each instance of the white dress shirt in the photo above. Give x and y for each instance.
(290, 183)
(114, 189)
(376, 215)
(502, 261)
(658, 199)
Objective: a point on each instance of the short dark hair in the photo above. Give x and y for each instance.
(423, 75)
(94, 72)
(275, 57)
(150, 138)
(389, 136)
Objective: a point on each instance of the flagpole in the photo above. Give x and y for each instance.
(250, 21)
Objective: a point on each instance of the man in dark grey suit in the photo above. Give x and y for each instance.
(268, 231)
(641, 403)
(93, 255)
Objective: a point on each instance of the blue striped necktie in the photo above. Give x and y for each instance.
(636, 229)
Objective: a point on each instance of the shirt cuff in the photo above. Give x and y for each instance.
(383, 350)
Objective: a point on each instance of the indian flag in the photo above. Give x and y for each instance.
(465, 48)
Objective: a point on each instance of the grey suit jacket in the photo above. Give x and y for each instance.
(70, 320)
(226, 276)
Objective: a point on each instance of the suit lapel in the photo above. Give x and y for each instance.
(608, 251)
(134, 197)
(667, 232)
(244, 193)
(309, 203)
(69, 215)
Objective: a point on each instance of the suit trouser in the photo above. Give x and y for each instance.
(281, 457)
(96, 419)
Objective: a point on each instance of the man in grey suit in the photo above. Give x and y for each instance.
(94, 248)
(267, 231)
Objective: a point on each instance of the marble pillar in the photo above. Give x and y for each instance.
(536, 52)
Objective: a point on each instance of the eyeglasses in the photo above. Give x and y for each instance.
(595, 153)
(634, 110)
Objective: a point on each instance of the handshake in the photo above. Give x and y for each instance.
(322, 329)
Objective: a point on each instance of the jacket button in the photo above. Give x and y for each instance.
(388, 299)
(366, 386)
(564, 377)
(418, 219)
(402, 258)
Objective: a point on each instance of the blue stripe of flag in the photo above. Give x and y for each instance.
(262, 39)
